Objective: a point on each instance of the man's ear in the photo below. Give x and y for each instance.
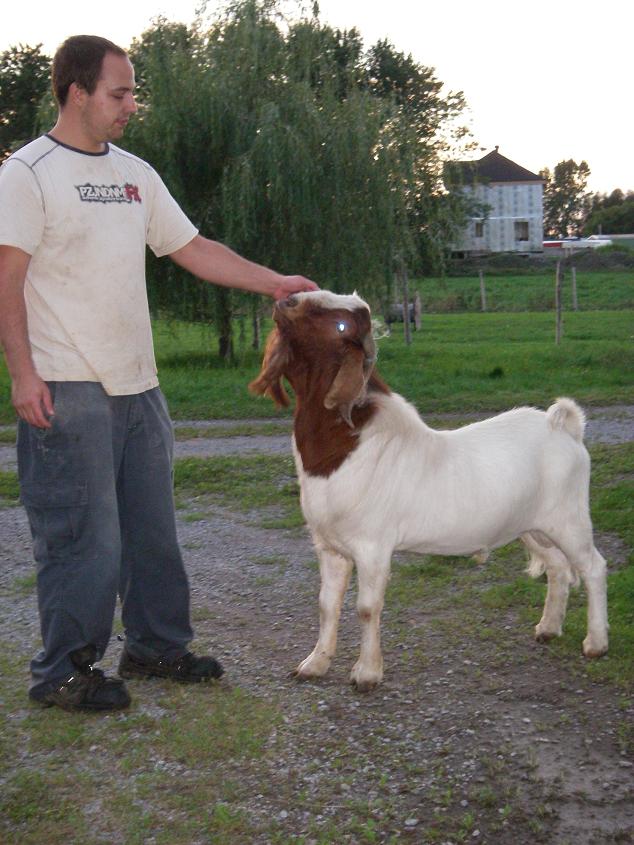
(76, 94)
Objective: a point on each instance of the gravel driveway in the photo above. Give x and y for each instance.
(614, 424)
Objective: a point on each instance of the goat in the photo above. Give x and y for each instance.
(374, 478)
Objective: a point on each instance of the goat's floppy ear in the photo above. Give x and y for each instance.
(348, 387)
(269, 382)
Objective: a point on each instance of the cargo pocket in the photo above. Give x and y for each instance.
(57, 514)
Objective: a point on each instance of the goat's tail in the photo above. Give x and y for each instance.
(566, 415)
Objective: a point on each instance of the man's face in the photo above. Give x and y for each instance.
(105, 112)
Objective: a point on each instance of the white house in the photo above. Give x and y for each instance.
(514, 219)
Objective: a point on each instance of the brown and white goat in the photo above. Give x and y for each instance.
(374, 479)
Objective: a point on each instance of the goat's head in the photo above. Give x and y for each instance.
(322, 343)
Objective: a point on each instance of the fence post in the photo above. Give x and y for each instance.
(405, 289)
(575, 303)
(483, 290)
(558, 321)
(418, 312)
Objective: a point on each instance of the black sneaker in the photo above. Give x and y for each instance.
(188, 669)
(90, 690)
(87, 689)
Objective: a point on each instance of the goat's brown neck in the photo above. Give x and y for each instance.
(323, 438)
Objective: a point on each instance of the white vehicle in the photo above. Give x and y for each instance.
(591, 242)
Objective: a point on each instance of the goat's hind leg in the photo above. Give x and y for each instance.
(335, 576)
(586, 561)
(546, 557)
(594, 576)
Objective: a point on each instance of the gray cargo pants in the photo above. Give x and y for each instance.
(97, 488)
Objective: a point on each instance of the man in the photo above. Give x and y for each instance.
(94, 436)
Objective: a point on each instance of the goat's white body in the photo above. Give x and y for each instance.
(524, 473)
(408, 487)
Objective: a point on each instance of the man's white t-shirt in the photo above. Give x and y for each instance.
(85, 219)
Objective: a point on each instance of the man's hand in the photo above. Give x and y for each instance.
(293, 284)
(32, 400)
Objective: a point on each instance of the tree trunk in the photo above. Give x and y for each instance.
(224, 325)
(418, 312)
(256, 324)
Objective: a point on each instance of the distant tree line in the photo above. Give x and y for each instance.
(610, 214)
(571, 210)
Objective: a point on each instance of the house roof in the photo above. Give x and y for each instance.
(495, 167)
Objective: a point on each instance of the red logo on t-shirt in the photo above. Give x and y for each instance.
(132, 192)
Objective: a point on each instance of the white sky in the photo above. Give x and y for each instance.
(545, 81)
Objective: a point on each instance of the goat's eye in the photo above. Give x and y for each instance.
(341, 326)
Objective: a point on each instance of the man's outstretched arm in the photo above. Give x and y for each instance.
(216, 263)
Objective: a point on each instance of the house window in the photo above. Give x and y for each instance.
(521, 231)
(479, 230)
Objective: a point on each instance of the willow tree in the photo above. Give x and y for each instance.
(24, 78)
(275, 143)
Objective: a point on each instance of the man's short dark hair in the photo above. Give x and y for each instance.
(79, 59)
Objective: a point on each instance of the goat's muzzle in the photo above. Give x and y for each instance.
(284, 304)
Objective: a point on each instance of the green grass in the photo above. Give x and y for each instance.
(495, 361)
(245, 483)
(264, 483)
(9, 488)
(24, 585)
(599, 290)
(7, 436)
(237, 430)
(186, 757)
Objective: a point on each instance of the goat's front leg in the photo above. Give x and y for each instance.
(373, 574)
(335, 576)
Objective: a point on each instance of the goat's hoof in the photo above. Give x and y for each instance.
(364, 680)
(543, 635)
(312, 667)
(593, 649)
(295, 675)
(364, 686)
